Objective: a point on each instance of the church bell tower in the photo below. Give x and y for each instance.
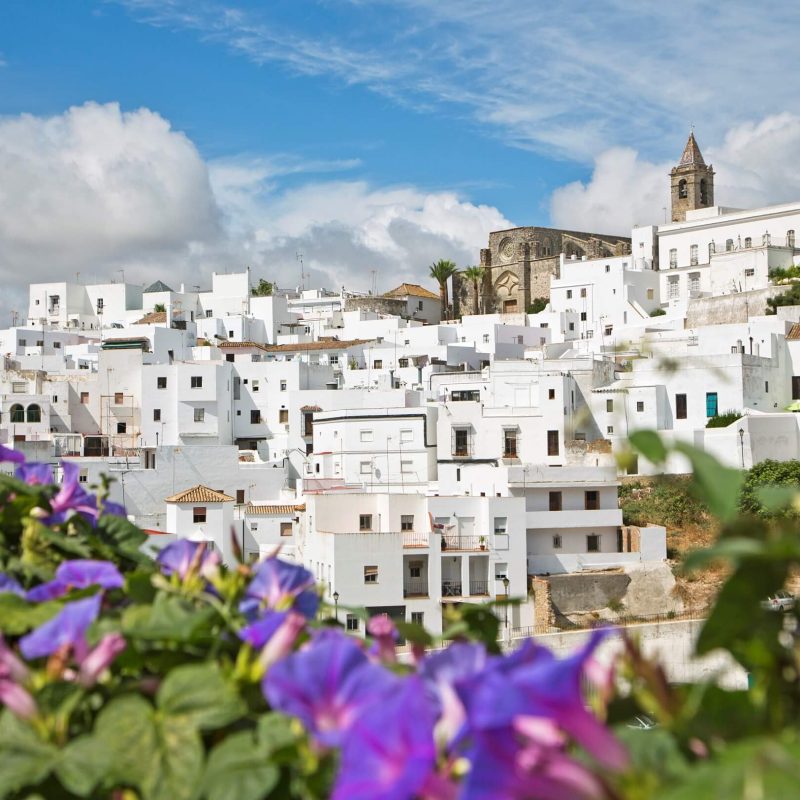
(692, 182)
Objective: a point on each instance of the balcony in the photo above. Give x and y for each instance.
(415, 587)
(415, 539)
(451, 588)
(478, 588)
(574, 518)
(453, 541)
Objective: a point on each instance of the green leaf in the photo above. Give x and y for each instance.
(719, 486)
(414, 633)
(238, 767)
(85, 762)
(176, 770)
(649, 444)
(25, 760)
(18, 616)
(200, 693)
(124, 536)
(172, 618)
(276, 731)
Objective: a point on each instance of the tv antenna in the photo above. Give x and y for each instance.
(299, 256)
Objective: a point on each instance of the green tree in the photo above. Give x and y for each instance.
(770, 487)
(264, 289)
(441, 271)
(538, 305)
(789, 298)
(476, 275)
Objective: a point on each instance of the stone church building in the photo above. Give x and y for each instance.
(520, 262)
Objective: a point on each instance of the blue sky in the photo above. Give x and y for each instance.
(183, 136)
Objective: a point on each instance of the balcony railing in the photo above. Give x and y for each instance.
(478, 587)
(415, 587)
(453, 541)
(451, 589)
(415, 539)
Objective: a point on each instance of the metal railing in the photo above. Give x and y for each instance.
(451, 588)
(415, 539)
(478, 587)
(415, 587)
(454, 541)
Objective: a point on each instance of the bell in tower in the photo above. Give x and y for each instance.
(692, 182)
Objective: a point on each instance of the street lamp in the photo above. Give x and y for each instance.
(505, 607)
(336, 604)
(741, 444)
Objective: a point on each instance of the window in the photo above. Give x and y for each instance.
(366, 436)
(510, 443)
(592, 543)
(255, 417)
(240, 497)
(254, 386)
(23, 342)
(406, 467)
(583, 292)
(199, 514)
(608, 268)
(556, 542)
(17, 413)
(555, 501)
(711, 404)
(414, 569)
(308, 423)
(84, 398)
(209, 313)
(650, 294)
(365, 468)
(230, 356)
(417, 618)
(748, 242)
(572, 326)
(609, 430)
(283, 415)
(552, 443)
(680, 406)
(694, 281)
(591, 500)
(551, 394)
(749, 273)
(351, 622)
(486, 338)
(673, 258)
(460, 442)
(683, 189)
(569, 294)
(728, 245)
(377, 363)
(640, 405)
(99, 305)
(609, 406)
(199, 414)
(57, 345)
(83, 477)
(286, 528)
(161, 383)
(333, 360)
(406, 435)
(693, 255)
(365, 522)
(371, 574)
(795, 387)
(500, 524)
(197, 381)
(673, 288)
(790, 238)
(766, 386)
(156, 415)
(703, 192)
(402, 363)
(122, 427)
(118, 398)
(406, 522)
(583, 316)
(283, 386)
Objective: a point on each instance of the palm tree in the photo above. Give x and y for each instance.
(441, 271)
(476, 275)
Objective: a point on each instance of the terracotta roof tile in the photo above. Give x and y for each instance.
(232, 345)
(412, 290)
(152, 318)
(199, 494)
(691, 153)
(273, 509)
(304, 346)
(794, 331)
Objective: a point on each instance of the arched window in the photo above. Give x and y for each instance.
(17, 413)
(34, 413)
(748, 242)
(728, 245)
(790, 238)
(703, 192)
(694, 256)
(683, 189)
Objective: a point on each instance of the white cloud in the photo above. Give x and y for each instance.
(95, 190)
(756, 164)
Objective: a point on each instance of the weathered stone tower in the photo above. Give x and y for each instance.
(692, 182)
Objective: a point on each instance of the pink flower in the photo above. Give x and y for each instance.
(384, 632)
(17, 699)
(100, 657)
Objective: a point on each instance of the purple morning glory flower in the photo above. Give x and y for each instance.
(7, 454)
(389, 753)
(182, 557)
(280, 585)
(10, 585)
(70, 498)
(67, 629)
(109, 508)
(537, 684)
(503, 766)
(258, 633)
(78, 574)
(35, 474)
(327, 684)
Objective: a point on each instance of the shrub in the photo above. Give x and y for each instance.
(658, 312)
(770, 488)
(724, 419)
(538, 305)
(666, 500)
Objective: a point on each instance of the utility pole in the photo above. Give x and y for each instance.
(299, 256)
